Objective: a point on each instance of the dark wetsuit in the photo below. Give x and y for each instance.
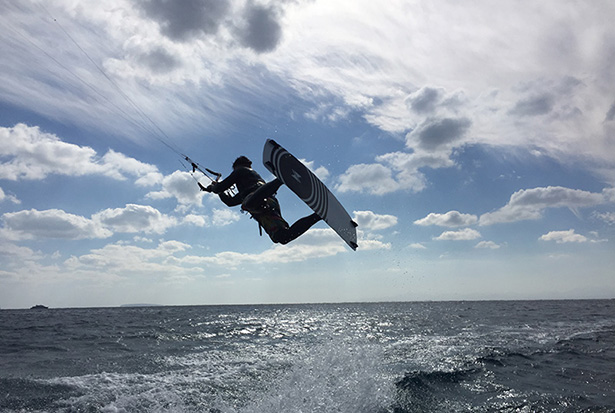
(258, 198)
(247, 181)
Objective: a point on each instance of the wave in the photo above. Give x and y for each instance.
(534, 376)
(395, 359)
(422, 380)
(13, 348)
(19, 394)
(436, 391)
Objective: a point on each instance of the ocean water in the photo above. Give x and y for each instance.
(525, 356)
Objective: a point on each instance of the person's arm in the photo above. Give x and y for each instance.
(219, 188)
(226, 183)
(230, 201)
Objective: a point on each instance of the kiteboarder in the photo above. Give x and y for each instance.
(258, 199)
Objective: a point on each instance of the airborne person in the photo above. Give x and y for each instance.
(258, 199)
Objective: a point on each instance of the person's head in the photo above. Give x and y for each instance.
(242, 161)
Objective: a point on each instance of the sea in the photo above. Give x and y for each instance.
(484, 356)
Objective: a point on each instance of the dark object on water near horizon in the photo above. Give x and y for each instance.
(39, 307)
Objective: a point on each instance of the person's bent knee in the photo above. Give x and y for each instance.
(281, 239)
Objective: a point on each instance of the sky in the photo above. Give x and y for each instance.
(473, 143)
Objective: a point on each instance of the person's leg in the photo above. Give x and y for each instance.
(254, 201)
(297, 229)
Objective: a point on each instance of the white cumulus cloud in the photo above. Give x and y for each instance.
(135, 218)
(181, 186)
(461, 235)
(393, 171)
(371, 178)
(129, 259)
(51, 224)
(530, 203)
(28, 153)
(449, 219)
(487, 244)
(223, 217)
(562, 237)
(197, 220)
(369, 220)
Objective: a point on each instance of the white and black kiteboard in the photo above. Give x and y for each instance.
(296, 176)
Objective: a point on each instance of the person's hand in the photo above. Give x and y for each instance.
(206, 189)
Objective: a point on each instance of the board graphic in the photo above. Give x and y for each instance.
(299, 179)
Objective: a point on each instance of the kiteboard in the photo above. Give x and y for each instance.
(299, 179)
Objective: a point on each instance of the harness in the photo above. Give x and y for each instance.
(269, 217)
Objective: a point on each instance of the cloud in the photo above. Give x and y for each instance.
(116, 164)
(183, 20)
(371, 221)
(487, 244)
(562, 237)
(610, 115)
(450, 219)
(503, 103)
(372, 178)
(408, 167)
(461, 235)
(327, 58)
(28, 153)
(418, 246)
(219, 218)
(51, 224)
(181, 186)
(173, 246)
(196, 220)
(367, 244)
(608, 217)
(594, 237)
(529, 203)
(396, 171)
(159, 60)
(534, 106)
(129, 259)
(150, 179)
(11, 198)
(434, 100)
(135, 218)
(18, 254)
(223, 217)
(58, 224)
(180, 47)
(260, 29)
(425, 100)
(316, 243)
(254, 26)
(321, 172)
(170, 257)
(19, 262)
(435, 133)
